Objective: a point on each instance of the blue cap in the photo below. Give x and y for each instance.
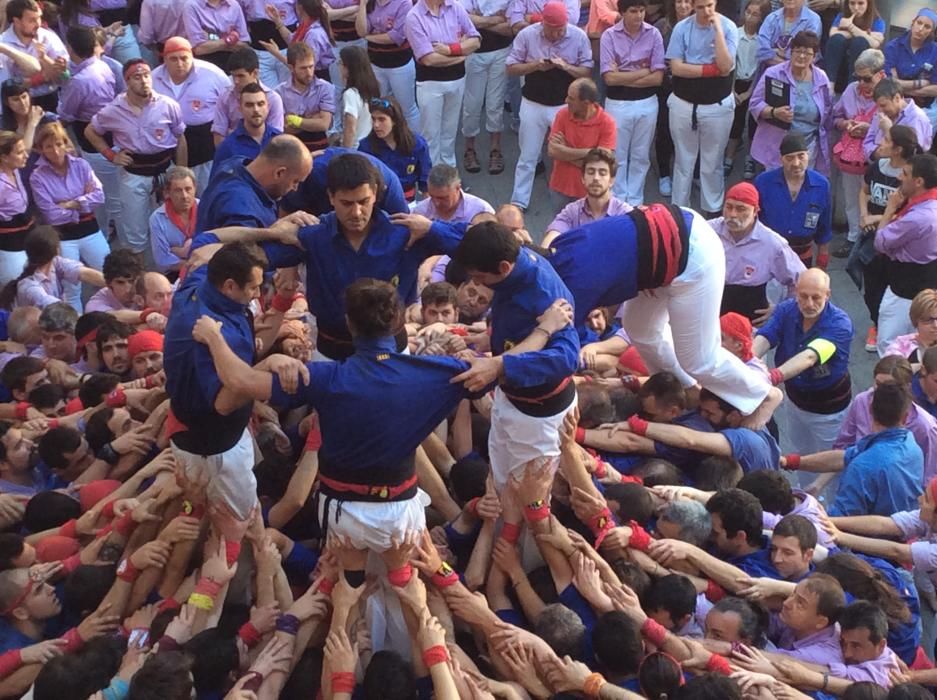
(929, 13)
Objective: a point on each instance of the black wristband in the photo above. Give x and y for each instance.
(108, 454)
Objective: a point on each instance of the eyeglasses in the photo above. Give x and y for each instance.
(931, 320)
(802, 52)
(865, 78)
(380, 102)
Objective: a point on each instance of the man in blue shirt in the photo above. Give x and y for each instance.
(243, 193)
(924, 383)
(252, 132)
(811, 337)
(806, 217)
(883, 473)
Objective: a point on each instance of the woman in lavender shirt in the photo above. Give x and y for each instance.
(15, 219)
(67, 193)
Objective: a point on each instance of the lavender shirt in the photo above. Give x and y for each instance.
(53, 46)
(157, 128)
(820, 648)
(912, 237)
(903, 345)
(808, 507)
(318, 97)
(619, 51)
(912, 116)
(924, 550)
(163, 235)
(518, 9)
(876, 671)
(450, 25)
(576, 214)
(254, 10)
(14, 199)
(198, 94)
(201, 19)
(104, 300)
(390, 18)
(531, 45)
(79, 184)
(760, 257)
(852, 103)
(159, 20)
(316, 39)
(41, 289)
(468, 208)
(858, 423)
(228, 111)
(767, 141)
(91, 87)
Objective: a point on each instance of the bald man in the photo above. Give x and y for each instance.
(811, 338)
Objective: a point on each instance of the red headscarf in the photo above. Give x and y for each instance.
(738, 327)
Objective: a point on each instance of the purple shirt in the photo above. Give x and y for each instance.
(159, 20)
(91, 87)
(924, 550)
(808, 507)
(468, 208)
(621, 52)
(858, 423)
(254, 10)
(767, 141)
(911, 237)
(53, 46)
(759, 257)
(198, 94)
(450, 25)
(157, 128)
(390, 18)
(531, 45)
(852, 103)
(201, 19)
(79, 184)
(518, 9)
(164, 234)
(820, 648)
(318, 97)
(41, 289)
(912, 116)
(228, 111)
(14, 199)
(317, 39)
(875, 671)
(104, 300)
(576, 214)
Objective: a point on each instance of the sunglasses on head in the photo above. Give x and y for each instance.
(380, 102)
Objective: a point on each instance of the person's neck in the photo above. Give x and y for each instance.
(597, 206)
(25, 40)
(46, 268)
(739, 236)
(255, 132)
(590, 111)
(897, 162)
(809, 323)
(183, 78)
(181, 212)
(391, 143)
(801, 74)
(746, 549)
(31, 628)
(61, 168)
(878, 427)
(136, 101)
(21, 120)
(434, 5)
(633, 31)
(13, 476)
(912, 42)
(791, 12)
(355, 239)
(795, 180)
(803, 634)
(929, 392)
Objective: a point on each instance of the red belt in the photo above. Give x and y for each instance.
(541, 399)
(382, 492)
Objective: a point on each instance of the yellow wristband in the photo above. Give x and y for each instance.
(201, 601)
(824, 349)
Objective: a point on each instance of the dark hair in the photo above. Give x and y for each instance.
(316, 10)
(659, 674)
(299, 51)
(617, 643)
(909, 691)
(674, 594)
(163, 677)
(711, 686)
(86, 587)
(863, 614)
(121, 263)
(243, 58)
(112, 328)
(890, 404)
(887, 87)
(806, 40)
(724, 406)
(16, 9)
(49, 509)
(896, 367)
(81, 40)
(437, 293)
(373, 308)
(655, 471)
(237, 262)
(631, 575)
(603, 155)
(667, 390)
(350, 171)
(97, 432)
(485, 246)
(214, 655)
(389, 677)
(254, 88)
(634, 501)
(771, 488)
(905, 138)
(924, 166)
(400, 131)
(717, 473)
(752, 619)
(624, 5)
(467, 477)
(360, 74)
(56, 443)
(305, 680)
(47, 396)
(89, 322)
(66, 676)
(42, 245)
(11, 547)
(867, 690)
(799, 527)
(739, 511)
(18, 370)
(865, 20)
(586, 90)
(830, 596)
(95, 388)
(862, 580)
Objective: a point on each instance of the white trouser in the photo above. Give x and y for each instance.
(851, 185)
(708, 141)
(516, 439)
(11, 266)
(400, 82)
(107, 174)
(893, 319)
(272, 71)
(635, 121)
(371, 525)
(807, 433)
(202, 173)
(138, 202)
(227, 477)
(440, 104)
(486, 83)
(89, 250)
(676, 328)
(536, 120)
(125, 46)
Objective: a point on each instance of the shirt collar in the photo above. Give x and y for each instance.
(381, 345)
(523, 270)
(821, 637)
(217, 301)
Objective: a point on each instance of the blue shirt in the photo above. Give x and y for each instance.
(313, 197)
(883, 474)
(903, 638)
(234, 198)
(240, 144)
(757, 563)
(753, 449)
(773, 34)
(531, 288)
(332, 264)
(911, 65)
(785, 331)
(412, 170)
(808, 218)
(691, 43)
(920, 398)
(191, 379)
(678, 456)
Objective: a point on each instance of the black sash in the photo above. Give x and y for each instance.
(266, 30)
(84, 143)
(629, 94)
(492, 41)
(13, 232)
(336, 343)
(201, 144)
(343, 30)
(703, 91)
(744, 299)
(151, 164)
(823, 402)
(442, 74)
(547, 87)
(390, 55)
(907, 279)
(85, 226)
(108, 17)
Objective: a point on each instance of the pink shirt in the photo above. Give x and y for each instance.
(156, 128)
(104, 300)
(450, 25)
(91, 87)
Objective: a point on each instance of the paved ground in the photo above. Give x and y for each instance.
(496, 189)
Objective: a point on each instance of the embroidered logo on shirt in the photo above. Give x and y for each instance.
(410, 169)
(508, 345)
(379, 491)
(159, 133)
(383, 356)
(196, 105)
(749, 271)
(395, 280)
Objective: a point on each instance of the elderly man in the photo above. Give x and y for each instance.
(811, 337)
(447, 201)
(172, 225)
(550, 55)
(907, 235)
(577, 128)
(894, 109)
(755, 256)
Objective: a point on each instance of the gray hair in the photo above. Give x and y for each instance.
(442, 175)
(871, 60)
(178, 172)
(58, 317)
(586, 89)
(692, 518)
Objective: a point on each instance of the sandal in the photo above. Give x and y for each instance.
(495, 162)
(470, 161)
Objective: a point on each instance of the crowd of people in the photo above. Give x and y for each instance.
(287, 412)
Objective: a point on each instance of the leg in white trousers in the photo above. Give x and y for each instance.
(485, 87)
(440, 105)
(536, 120)
(808, 433)
(676, 328)
(89, 250)
(635, 121)
(136, 196)
(400, 82)
(708, 141)
(107, 174)
(11, 266)
(893, 319)
(851, 184)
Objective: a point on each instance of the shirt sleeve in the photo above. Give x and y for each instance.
(606, 51)
(193, 27)
(924, 557)
(561, 223)
(419, 40)
(771, 331)
(280, 255)
(766, 37)
(351, 102)
(275, 117)
(30, 292)
(608, 133)
(518, 52)
(160, 244)
(93, 198)
(910, 524)
(67, 269)
(657, 53)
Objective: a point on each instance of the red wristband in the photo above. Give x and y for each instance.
(444, 577)
(776, 376)
(232, 551)
(249, 635)
(326, 585)
(455, 48)
(125, 526)
(792, 462)
(168, 604)
(629, 381)
(343, 682)
(655, 632)
(710, 70)
(109, 154)
(601, 524)
(69, 565)
(69, 529)
(435, 655)
(823, 260)
(126, 571)
(116, 399)
(73, 640)
(37, 79)
(472, 506)
(535, 512)
(313, 438)
(638, 425)
(209, 587)
(400, 577)
(629, 479)
(145, 314)
(511, 532)
(22, 410)
(718, 664)
(52, 424)
(639, 540)
(601, 468)
(580, 436)
(714, 592)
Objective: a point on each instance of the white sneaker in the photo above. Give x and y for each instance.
(665, 186)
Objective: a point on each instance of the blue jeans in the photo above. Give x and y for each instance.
(840, 57)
